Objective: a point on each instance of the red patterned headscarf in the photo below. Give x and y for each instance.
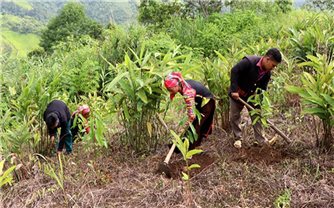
(84, 110)
(173, 79)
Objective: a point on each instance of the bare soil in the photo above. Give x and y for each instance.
(228, 177)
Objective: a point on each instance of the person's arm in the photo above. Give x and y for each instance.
(190, 104)
(52, 138)
(52, 132)
(236, 71)
(264, 81)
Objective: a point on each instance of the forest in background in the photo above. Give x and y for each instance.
(26, 19)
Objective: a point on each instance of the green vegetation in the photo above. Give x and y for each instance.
(284, 200)
(317, 94)
(70, 23)
(23, 4)
(16, 44)
(6, 175)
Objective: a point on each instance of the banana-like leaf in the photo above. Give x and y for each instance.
(310, 79)
(314, 98)
(126, 111)
(142, 95)
(315, 111)
(111, 85)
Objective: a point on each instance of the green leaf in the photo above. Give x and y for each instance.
(320, 112)
(111, 85)
(1, 166)
(12, 91)
(194, 166)
(6, 177)
(126, 111)
(185, 176)
(255, 120)
(294, 89)
(149, 128)
(193, 152)
(142, 95)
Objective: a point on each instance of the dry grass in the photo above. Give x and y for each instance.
(249, 177)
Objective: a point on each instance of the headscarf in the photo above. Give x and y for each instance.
(83, 110)
(173, 79)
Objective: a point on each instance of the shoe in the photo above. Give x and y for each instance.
(273, 140)
(237, 144)
(260, 143)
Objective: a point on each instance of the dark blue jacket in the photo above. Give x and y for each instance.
(58, 107)
(244, 77)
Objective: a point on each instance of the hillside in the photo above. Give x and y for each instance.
(102, 11)
(16, 44)
(23, 20)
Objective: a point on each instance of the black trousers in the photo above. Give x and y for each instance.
(204, 125)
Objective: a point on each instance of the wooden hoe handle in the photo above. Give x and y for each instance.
(270, 123)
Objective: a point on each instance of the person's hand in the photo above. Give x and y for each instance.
(235, 95)
(87, 129)
(52, 140)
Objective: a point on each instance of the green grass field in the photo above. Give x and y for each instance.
(21, 44)
(23, 3)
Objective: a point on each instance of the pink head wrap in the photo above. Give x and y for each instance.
(84, 110)
(173, 79)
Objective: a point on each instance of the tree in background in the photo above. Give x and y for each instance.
(193, 8)
(72, 21)
(156, 12)
(258, 6)
(284, 5)
(321, 4)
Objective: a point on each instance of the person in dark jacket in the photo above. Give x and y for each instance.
(57, 115)
(250, 73)
(195, 96)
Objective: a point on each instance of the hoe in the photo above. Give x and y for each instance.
(163, 167)
(270, 124)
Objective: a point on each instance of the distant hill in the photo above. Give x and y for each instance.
(117, 11)
(17, 44)
(22, 20)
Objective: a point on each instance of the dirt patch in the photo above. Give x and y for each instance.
(204, 160)
(265, 155)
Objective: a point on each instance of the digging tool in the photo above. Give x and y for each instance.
(163, 167)
(270, 124)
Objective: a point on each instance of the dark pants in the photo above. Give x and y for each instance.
(65, 138)
(235, 119)
(204, 125)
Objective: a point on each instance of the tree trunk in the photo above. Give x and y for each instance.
(327, 141)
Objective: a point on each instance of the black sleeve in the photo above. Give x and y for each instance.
(264, 82)
(236, 71)
(52, 132)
